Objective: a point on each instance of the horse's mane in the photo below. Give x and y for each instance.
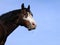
(9, 16)
(10, 13)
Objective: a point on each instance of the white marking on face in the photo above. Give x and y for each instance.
(29, 18)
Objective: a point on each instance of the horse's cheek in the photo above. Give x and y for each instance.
(26, 23)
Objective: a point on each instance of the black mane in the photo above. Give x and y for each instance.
(9, 16)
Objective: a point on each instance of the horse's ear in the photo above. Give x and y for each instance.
(22, 6)
(28, 7)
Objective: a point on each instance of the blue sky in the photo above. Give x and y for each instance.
(47, 16)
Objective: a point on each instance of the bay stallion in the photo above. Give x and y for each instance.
(11, 20)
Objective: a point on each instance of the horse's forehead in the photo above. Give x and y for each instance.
(29, 14)
(26, 10)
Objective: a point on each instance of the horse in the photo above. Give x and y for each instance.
(11, 20)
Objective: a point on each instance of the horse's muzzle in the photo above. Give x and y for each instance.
(32, 27)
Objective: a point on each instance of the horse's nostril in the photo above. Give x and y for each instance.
(33, 24)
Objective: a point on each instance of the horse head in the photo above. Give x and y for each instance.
(26, 18)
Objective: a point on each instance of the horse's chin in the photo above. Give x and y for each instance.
(30, 29)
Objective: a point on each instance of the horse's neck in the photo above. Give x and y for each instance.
(10, 22)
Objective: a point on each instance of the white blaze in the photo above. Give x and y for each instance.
(30, 18)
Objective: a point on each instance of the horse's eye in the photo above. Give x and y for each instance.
(26, 15)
